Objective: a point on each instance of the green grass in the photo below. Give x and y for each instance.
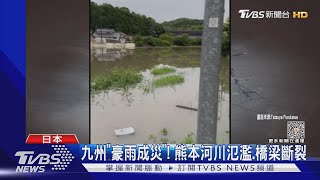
(168, 81)
(116, 80)
(163, 70)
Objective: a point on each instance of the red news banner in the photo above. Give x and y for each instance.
(52, 139)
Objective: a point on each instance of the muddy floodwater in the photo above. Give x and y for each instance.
(149, 113)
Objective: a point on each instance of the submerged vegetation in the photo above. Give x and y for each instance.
(189, 139)
(168, 81)
(163, 70)
(122, 79)
(167, 40)
(148, 86)
(162, 138)
(117, 79)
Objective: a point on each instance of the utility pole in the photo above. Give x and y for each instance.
(209, 73)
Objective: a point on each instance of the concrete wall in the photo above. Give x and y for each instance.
(115, 45)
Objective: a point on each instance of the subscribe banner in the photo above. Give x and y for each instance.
(190, 168)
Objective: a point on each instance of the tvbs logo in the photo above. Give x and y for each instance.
(29, 162)
(246, 14)
(300, 14)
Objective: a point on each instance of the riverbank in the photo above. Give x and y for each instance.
(133, 46)
(129, 46)
(165, 47)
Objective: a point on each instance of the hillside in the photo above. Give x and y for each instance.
(188, 24)
(123, 20)
(183, 24)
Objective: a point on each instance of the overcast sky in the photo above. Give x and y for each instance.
(165, 10)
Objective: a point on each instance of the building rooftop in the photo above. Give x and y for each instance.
(107, 33)
(104, 30)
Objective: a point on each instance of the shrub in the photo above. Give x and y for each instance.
(139, 43)
(225, 44)
(137, 38)
(196, 41)
(149, 40)
(159, 42)
(182, 40)
(167, 37)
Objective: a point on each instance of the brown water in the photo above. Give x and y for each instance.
(149, 113)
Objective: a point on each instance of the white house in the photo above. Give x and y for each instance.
(104, 35)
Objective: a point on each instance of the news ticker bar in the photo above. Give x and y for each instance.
(190, 168)
(190, 152)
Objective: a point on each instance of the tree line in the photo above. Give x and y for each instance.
(168, 39)
(146, 31)
(122, 20)
(183, 24)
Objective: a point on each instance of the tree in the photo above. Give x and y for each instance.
(226, 39)
(182, 40)
(183, 24)
(121, 19)
(167, 38)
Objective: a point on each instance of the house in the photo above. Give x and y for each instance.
(104, 35)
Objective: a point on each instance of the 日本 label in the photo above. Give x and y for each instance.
(52, 139)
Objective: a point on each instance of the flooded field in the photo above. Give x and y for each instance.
(153, 113)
